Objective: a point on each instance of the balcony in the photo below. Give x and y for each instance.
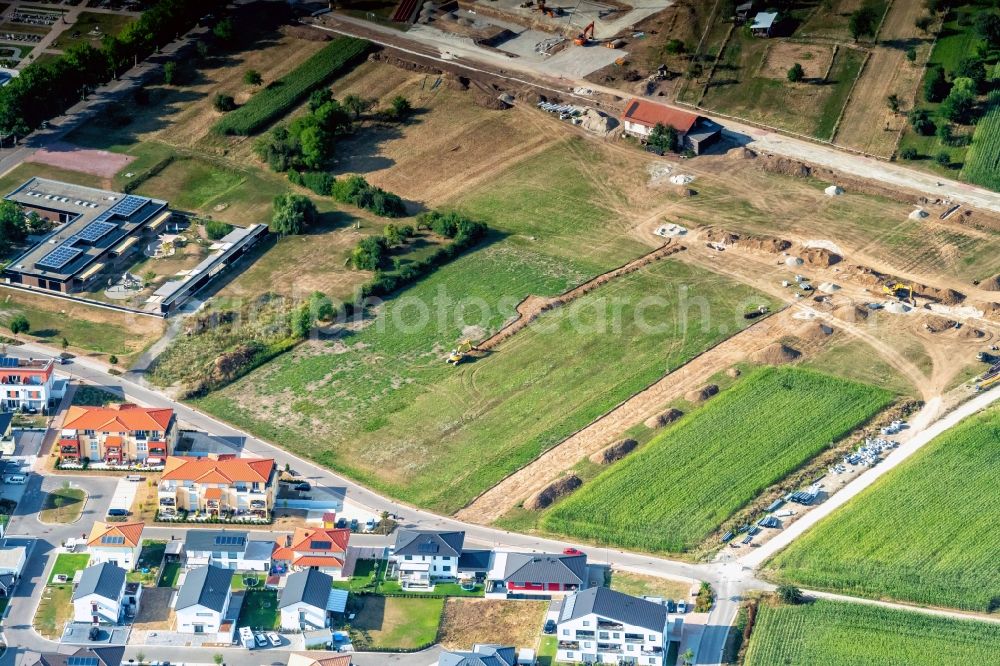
(609, 648)
(258, 505)
(652, 651)
(609, 626)
(635, 638)
(569, 645)
(168, 501)
(585, 635)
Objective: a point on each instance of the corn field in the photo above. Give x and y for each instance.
(278, 98)
(982, 162)
(925, 533)
(847, 634)
(687, 481)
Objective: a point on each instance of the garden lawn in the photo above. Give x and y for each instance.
(686, 482)
(384, 407)
(63, 505)
(68, 564)
(260, 610)
(920, 534)
(55, 609)
(171, 572)
(845, 634)
(399, 623)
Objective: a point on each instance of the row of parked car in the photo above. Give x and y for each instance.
(258, 639)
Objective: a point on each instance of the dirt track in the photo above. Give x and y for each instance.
(492, 504)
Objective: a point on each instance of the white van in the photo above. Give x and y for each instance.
(16, 478)
(133, 477)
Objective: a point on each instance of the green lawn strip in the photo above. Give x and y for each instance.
(55, 609)
(845, 70)
(844, 634)
(63, 505)
(260, 610)
(578, 353)
(440, 589)
(689, 480)
(68, 564)
(401, 623)
(919, 534)
(547, 649)
(171, 572)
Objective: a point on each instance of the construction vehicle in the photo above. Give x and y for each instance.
(757, 312)
(551, 12)
(584, 37)
(899, 291)
(459, 354)
(990, 378)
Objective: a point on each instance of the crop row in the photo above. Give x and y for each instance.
(841, 634)
(982, 162)
(685, 483)
(278, 98)
(924, 533)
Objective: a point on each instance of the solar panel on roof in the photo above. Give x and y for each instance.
(96, 230)
(129, 205)
(320, 545)
(59, 257)
(83, 661)
(8, 362)
(427, 547)
(229, 540)
(112, 540)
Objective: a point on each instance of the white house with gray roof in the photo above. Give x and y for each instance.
(480, 655)
(304, 600)
(229, 549)
(599, 625)
(203, 600)
(98, 599)
(422, 557)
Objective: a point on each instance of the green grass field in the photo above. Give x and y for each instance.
(921, 534)
(686, 482)
(260, 610)
(396, 622)
(63, 505)
(68, 564)
(845, 634)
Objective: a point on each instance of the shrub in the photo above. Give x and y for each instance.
(293, 214)
(217, 229)
(279, 97)
(935, 85)
(370, 253)
(908, 153)
(920, 120)
(252, 77)
(19, 324)
(796, 73)
(357, 191)
(943, 158)
(789, 594)
(223, 103)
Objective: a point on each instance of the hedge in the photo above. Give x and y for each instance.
(278, 98)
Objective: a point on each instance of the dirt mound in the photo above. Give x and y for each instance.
(936, 324)
(775, 354)
(716, 235)
(702, 394)
(455, 82)
(550, 493)
(383, 56)
(970, 333)
(946, 296)
(764, 244)
(490, 101)
(865, 275)
(815, 332)
(663, 419)
(991, 283)
(733, 372)
(849, 313)
(785, 166)
(991, 311)
(820, 256)
(613, 452)
(683, 191)
(307, 34)
(741, 153)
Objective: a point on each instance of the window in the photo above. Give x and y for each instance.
(88, 433)
(234, 556)
(140, 446)
(93, 446)
(616, 635)
(652, 638)
(446, 567)
(565, 632)
(408, 557)
(603, 635)
(586, 623)
(587, 645)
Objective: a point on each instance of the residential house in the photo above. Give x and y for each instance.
(304, 600)
(221, 486)
(107, 656)
(12, 560)
(422, 557)
(118, 434)
(115, 543)
(203, 601)
(313, 548)
(29, 384)
(230, 549)
(304, 659)
(99, 596)
(480, 655)
(763, 24)
(536, 573)
(696, 132)
(599, 625)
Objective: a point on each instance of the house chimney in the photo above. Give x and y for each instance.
(288, 541)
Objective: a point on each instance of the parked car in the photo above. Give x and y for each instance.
(550, 627)
(682, 606)
(117, 513)
(261, 639)
(341, 523)
(16, 479)
(274, 638)
(671, 606)
(354, 524)
(94, 633)
(572, 551)
(303, 487)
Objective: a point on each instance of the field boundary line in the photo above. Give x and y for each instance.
(697, 49)
(903, 606)
(715, 64)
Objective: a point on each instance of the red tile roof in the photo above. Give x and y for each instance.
(225, 470)
(132, 532)
(117, 418)
(307, 542)
(647, 113)
(318, 561)
(213, 493)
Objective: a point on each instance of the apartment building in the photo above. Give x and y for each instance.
(118, 434)
(222, 486)
(28, 384)
(601, 626)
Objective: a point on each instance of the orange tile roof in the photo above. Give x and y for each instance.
(318, 561)
(117, 418)
(132, 533)
(225, 471)
(649, 113)
(113, 440)
(213, 493)
(304, 541)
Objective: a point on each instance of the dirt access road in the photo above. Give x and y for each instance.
(463, 55)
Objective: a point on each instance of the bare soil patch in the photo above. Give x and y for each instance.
(775, 354)
(468, 621)
(814, 58)
(68, 156)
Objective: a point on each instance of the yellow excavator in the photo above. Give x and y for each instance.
(904, 292)
(459, 354)
(990, 378)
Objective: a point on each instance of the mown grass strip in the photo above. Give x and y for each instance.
(685, 483)
(278, 98)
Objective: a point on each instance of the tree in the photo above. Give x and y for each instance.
(972, 67)
(65, 343)
(357, 105)
(293, 214)
(675, 47)
(201, 48)
(19, 324)
(944, 133)
(923, 23)
(958, 105)
(141, 657)
(113, 360)
(796, 73)
(688, 657)
(302, 321)
(13, 228)
(218, 658)
(935, 85)
(893, 102)
(224, 31)
(315, 145)
(321, 306)
(911, 54)
(790, 594)
(400, 107)
(863, 22)
(393, 235)
(223, 103)
(920, 120)
(170, 72)
(909, 153)
(943, 158)
(318, 98)
(988, 27)
(252, 77)
(664, 138)
(370, 253)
